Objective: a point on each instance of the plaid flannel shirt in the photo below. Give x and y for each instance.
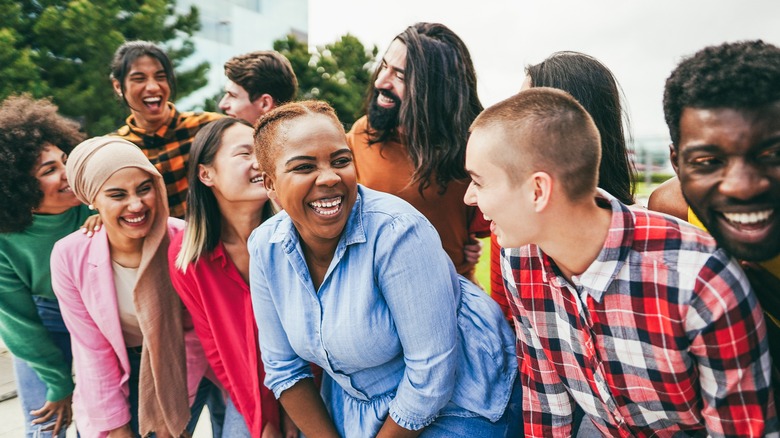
(169, 149)
(661, 335)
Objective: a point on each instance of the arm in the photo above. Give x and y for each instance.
(286, 374)
(727, 332)
(98, 369)
(547, 406)
(25, 336)
(667, 198)
(418, 282)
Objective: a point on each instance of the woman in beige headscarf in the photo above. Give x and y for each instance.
(125, 319)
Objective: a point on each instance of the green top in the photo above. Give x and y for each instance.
(24, 272)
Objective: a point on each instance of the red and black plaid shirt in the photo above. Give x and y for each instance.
(660, 336)
(169, 149)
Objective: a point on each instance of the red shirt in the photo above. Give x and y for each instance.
(218, 300)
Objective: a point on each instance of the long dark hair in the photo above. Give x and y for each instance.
(595, 87)
(203, 217)
(441, 102)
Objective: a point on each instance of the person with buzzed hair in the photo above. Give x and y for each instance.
(637, 319)
(257, 83)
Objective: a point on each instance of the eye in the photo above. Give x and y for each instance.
(48, 171)
(399, 75)
(144, 189)
(342, 162)
(161, 77)
(475, 184)
(705, 162)
(303, 168)
(770, 156)
(117, 196)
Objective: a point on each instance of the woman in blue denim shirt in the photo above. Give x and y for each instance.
(356, 281)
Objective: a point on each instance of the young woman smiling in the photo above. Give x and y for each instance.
(127, 323)
(38, 209)
(209, 266)
(357, 282)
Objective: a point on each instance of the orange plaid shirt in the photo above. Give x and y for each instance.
(168, 149)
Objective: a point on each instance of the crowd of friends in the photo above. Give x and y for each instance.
(302, 280)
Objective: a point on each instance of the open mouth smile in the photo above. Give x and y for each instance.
(327, 206)
(153, 103)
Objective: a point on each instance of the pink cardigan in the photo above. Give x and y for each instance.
(82, 279)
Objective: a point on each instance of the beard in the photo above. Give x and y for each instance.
(384, 119)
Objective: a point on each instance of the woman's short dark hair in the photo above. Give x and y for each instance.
(596, 89)
(26, 127)
(127, 53)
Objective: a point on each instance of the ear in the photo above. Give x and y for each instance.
(268, 183)
(541, 190)
(205, 176)
(264, 103)
(673, 158)
(117, 87)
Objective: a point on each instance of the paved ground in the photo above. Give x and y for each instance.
(12, 420)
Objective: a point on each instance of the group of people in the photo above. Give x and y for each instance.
(304, 280)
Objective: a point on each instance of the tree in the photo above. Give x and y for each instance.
(338, 73)
(63, 49)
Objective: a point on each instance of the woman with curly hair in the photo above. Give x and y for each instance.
(38, 209)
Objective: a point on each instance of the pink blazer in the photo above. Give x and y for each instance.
(82, 279)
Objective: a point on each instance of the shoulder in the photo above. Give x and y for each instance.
(654, 230)
(175, 226)
(667, 198)
(192, 118)
(381, 204)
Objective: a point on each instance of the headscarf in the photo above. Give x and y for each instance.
(163, 401)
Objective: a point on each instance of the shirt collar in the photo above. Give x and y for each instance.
(620, 238)
(161, 132)
(354, 232)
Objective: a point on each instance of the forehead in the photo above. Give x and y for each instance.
(128, 176)
(484, 148)
(730, 129)
(396, 55)
(234, 88)
(145, 64)
(237, 134)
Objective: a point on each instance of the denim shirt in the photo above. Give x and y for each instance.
(385, 322)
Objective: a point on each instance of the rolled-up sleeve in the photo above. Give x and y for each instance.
(419, 286)
(283, 367)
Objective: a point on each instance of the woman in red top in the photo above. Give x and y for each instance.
(210, 269)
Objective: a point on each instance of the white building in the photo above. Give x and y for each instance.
(233, 27)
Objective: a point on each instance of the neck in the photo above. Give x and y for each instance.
(150, 126)
(577, 236)
(126, 252)
(239, 220)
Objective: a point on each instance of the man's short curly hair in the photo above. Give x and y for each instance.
(741, 75)
(26, 126)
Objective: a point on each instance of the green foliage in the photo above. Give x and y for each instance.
(338, 73)
(63, 50)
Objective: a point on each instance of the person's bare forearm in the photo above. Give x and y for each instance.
(303, 404)
(391, 429)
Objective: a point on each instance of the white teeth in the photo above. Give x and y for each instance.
(256, 179)
(333, 204)
(66, 190)
(152, 99)
(135, 220)
(753, 217)
(384, 99)
(486, 217)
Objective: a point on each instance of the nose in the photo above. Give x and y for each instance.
(743, 181)
(382, 79)
(152, 85)
(223, 103)
(136, 204)
(470, 198)
(328, 178)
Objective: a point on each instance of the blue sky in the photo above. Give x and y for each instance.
(640, 41)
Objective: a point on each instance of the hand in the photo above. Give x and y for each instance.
(271, 431)
(62, 409)
(289, 429)
(92, 225)
(473, 250)
(121, 432)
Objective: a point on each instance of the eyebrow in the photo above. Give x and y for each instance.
(118, 190)
(311, 158)
(399, 70)
(50, 162)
